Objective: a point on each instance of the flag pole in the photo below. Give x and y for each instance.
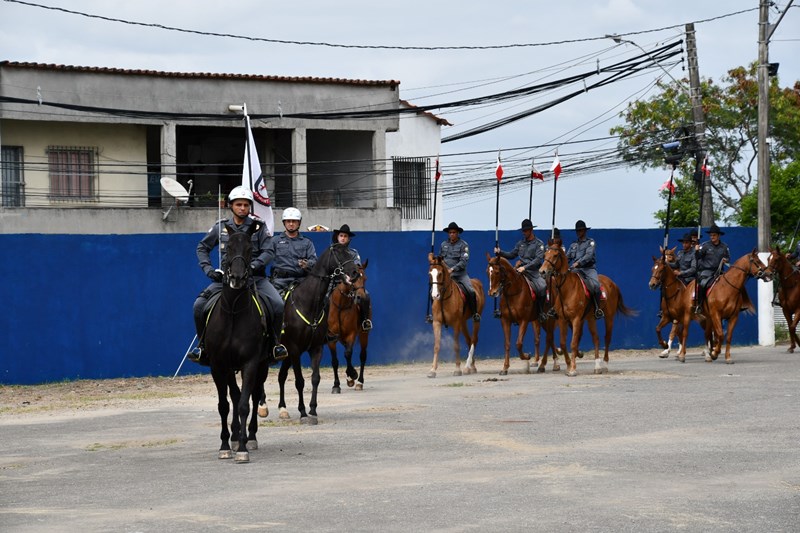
(428, 315)
(499, 175)
(669, 202)
(530, 200)
(555, 189)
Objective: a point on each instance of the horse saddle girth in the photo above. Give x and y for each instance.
(257, 299)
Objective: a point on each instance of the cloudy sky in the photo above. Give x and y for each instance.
(568, 38)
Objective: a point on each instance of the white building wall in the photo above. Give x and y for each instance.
(419, 135)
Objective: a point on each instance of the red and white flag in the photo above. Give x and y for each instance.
(704, 169)
(499, 170)
(438, 173)
(668, 185)
(253, 179)
(556, 168)
(535, 174)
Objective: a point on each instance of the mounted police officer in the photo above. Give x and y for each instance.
(530, 251)
(794, 257)
(685, 265)
(240, 201)
(455, 253)
(343, 236)
(711, 256)
(294, 254)
(581, 257)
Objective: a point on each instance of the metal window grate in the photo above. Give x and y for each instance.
(13, 179)
(412, 186)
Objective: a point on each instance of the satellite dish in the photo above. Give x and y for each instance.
(175, 189)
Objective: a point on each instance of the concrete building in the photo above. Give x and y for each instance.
(77, 139)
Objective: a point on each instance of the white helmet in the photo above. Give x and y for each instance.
(239, 193)
(291, 213)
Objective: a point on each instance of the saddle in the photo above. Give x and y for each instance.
(602, 294)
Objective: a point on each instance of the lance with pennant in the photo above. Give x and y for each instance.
(437, 174)
(556, 169)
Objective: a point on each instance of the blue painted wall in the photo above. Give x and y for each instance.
(105, 306)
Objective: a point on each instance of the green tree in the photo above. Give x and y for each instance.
(731, 111)
(784, 204)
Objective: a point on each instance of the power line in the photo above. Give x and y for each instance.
(364, 46)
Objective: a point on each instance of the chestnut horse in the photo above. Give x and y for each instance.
(344, 326)
(451, 309)
(517, 306)
(669, 255)
(788, 292)
(676, 304)
(724, 300)
(573, 306)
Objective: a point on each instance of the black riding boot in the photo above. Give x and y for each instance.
(197, 354)
(364, 312)
(472, 300)
(279, 352)
(598, 313)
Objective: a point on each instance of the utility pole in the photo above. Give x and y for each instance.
(699, 119)
(764, 223)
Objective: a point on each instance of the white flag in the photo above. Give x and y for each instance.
(253, 179)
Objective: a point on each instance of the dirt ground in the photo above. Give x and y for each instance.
(92, 394)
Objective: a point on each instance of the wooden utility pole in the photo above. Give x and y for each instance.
(699, 119)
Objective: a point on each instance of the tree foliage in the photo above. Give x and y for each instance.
(784, 205)
(731, 137)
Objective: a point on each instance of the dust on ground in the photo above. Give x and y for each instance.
(86, 395)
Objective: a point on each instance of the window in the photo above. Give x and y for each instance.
(72, 172)
(13, 188)
(412, 186)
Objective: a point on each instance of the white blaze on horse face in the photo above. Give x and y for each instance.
(434, 273)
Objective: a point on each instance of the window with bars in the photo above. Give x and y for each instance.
(412, 186)
(73, 172)
(13, 180)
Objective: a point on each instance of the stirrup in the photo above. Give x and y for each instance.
(366, 325)
(197, 355)
(279, 352)
(598, 313)
(476, 317)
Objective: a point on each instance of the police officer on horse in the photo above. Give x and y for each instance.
(294, 254)
(240, 201)
(711, 256)
(581, 257)
(685, 265)
(530, 251)
(455, 253)
(343, 236)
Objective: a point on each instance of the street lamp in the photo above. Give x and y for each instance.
(619, 40)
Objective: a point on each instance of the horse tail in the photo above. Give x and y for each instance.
(623, 309)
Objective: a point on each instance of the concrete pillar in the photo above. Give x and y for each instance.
(766, 313)
(169, 156)
(379, 157)
(299, 169)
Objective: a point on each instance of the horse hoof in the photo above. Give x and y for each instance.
(336, 390)
(350, 382)
(242, 457)
(309, 420)
(708, 359)
(284, 414)
(263, 411)
(664, 354)
(556, 368)
(252, 444)
(504, 372)
(572, 373)
(525, 356)
(598, 370)
(359, 386)
(580, 354)
(541, 370)
(790, 350)
(728, 361)
(456, 372)
(681, 359)
(431, 374)
(714, 356)
(225, 454)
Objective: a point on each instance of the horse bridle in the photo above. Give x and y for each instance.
(664, 288)
(504, 281)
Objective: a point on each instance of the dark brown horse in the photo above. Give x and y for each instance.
(449, 308)
(676, 304)
(724, 300)
(344, 327)
(788, 292)
(517, 306)
(573, 306)
(306, 325)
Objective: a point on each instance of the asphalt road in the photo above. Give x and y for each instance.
(654, 445)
